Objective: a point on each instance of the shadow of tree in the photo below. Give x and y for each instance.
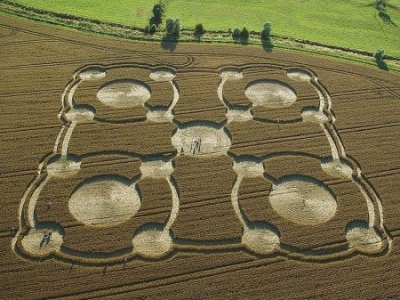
(381, 64)
(168, 43)
(267, 45)
(386, 18)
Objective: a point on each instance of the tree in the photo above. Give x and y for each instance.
(244, 35)
(199, 31)
(379, 54)
(147, 29)
(265, 34)
(156, 19)
(153, 29)
(150, 29)
(236, 34)
(172, 33)
(173, 29)
(380, 5)
(158, 13)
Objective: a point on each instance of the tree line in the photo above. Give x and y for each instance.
(173, 28)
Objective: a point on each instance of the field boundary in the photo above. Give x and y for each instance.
(135, 33)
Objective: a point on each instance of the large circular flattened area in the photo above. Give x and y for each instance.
(303, 200)
(124, 93)
(270, 93)
(104, 201)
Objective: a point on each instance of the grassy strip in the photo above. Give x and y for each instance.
(352, 24)
(134, 33)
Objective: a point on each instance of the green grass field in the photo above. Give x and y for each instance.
(347, 23)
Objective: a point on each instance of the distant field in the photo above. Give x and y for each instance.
(350, 24)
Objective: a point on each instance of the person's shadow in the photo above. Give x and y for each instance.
(45, 241)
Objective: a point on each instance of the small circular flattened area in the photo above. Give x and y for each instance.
(43, 241)
(299, 75)
(363, 238)
(337, 168)
(314, 115)
(93, 74)
(231, 74)
(238, 115)
(261, 238)
(152, 241)
(162, 74)
(249, 169)
(159, 115)
(64, 166)
(303, 200)
(104, 202)
(80, 113)
(156, 169)
(124, 93)
(270, 93)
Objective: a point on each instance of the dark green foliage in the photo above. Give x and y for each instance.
(153, 29)
(172, 34)
(173, 29)
(266, 32)
(244, 35)
(265, 37)
(236, 34)
(158, 13)
(157, 18)
(150, 29)
(241, 35)
(147, 29)
(380, 5)
(199, 31)
(379, 54)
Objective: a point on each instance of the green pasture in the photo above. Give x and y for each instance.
(347, 23)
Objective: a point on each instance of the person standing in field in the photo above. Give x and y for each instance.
(49, 203)
(46, 237)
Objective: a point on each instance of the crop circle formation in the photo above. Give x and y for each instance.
(109, 200)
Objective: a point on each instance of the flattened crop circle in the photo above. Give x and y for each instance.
(124, 93)
(270, 93)
(104, 202)
(303, 200)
